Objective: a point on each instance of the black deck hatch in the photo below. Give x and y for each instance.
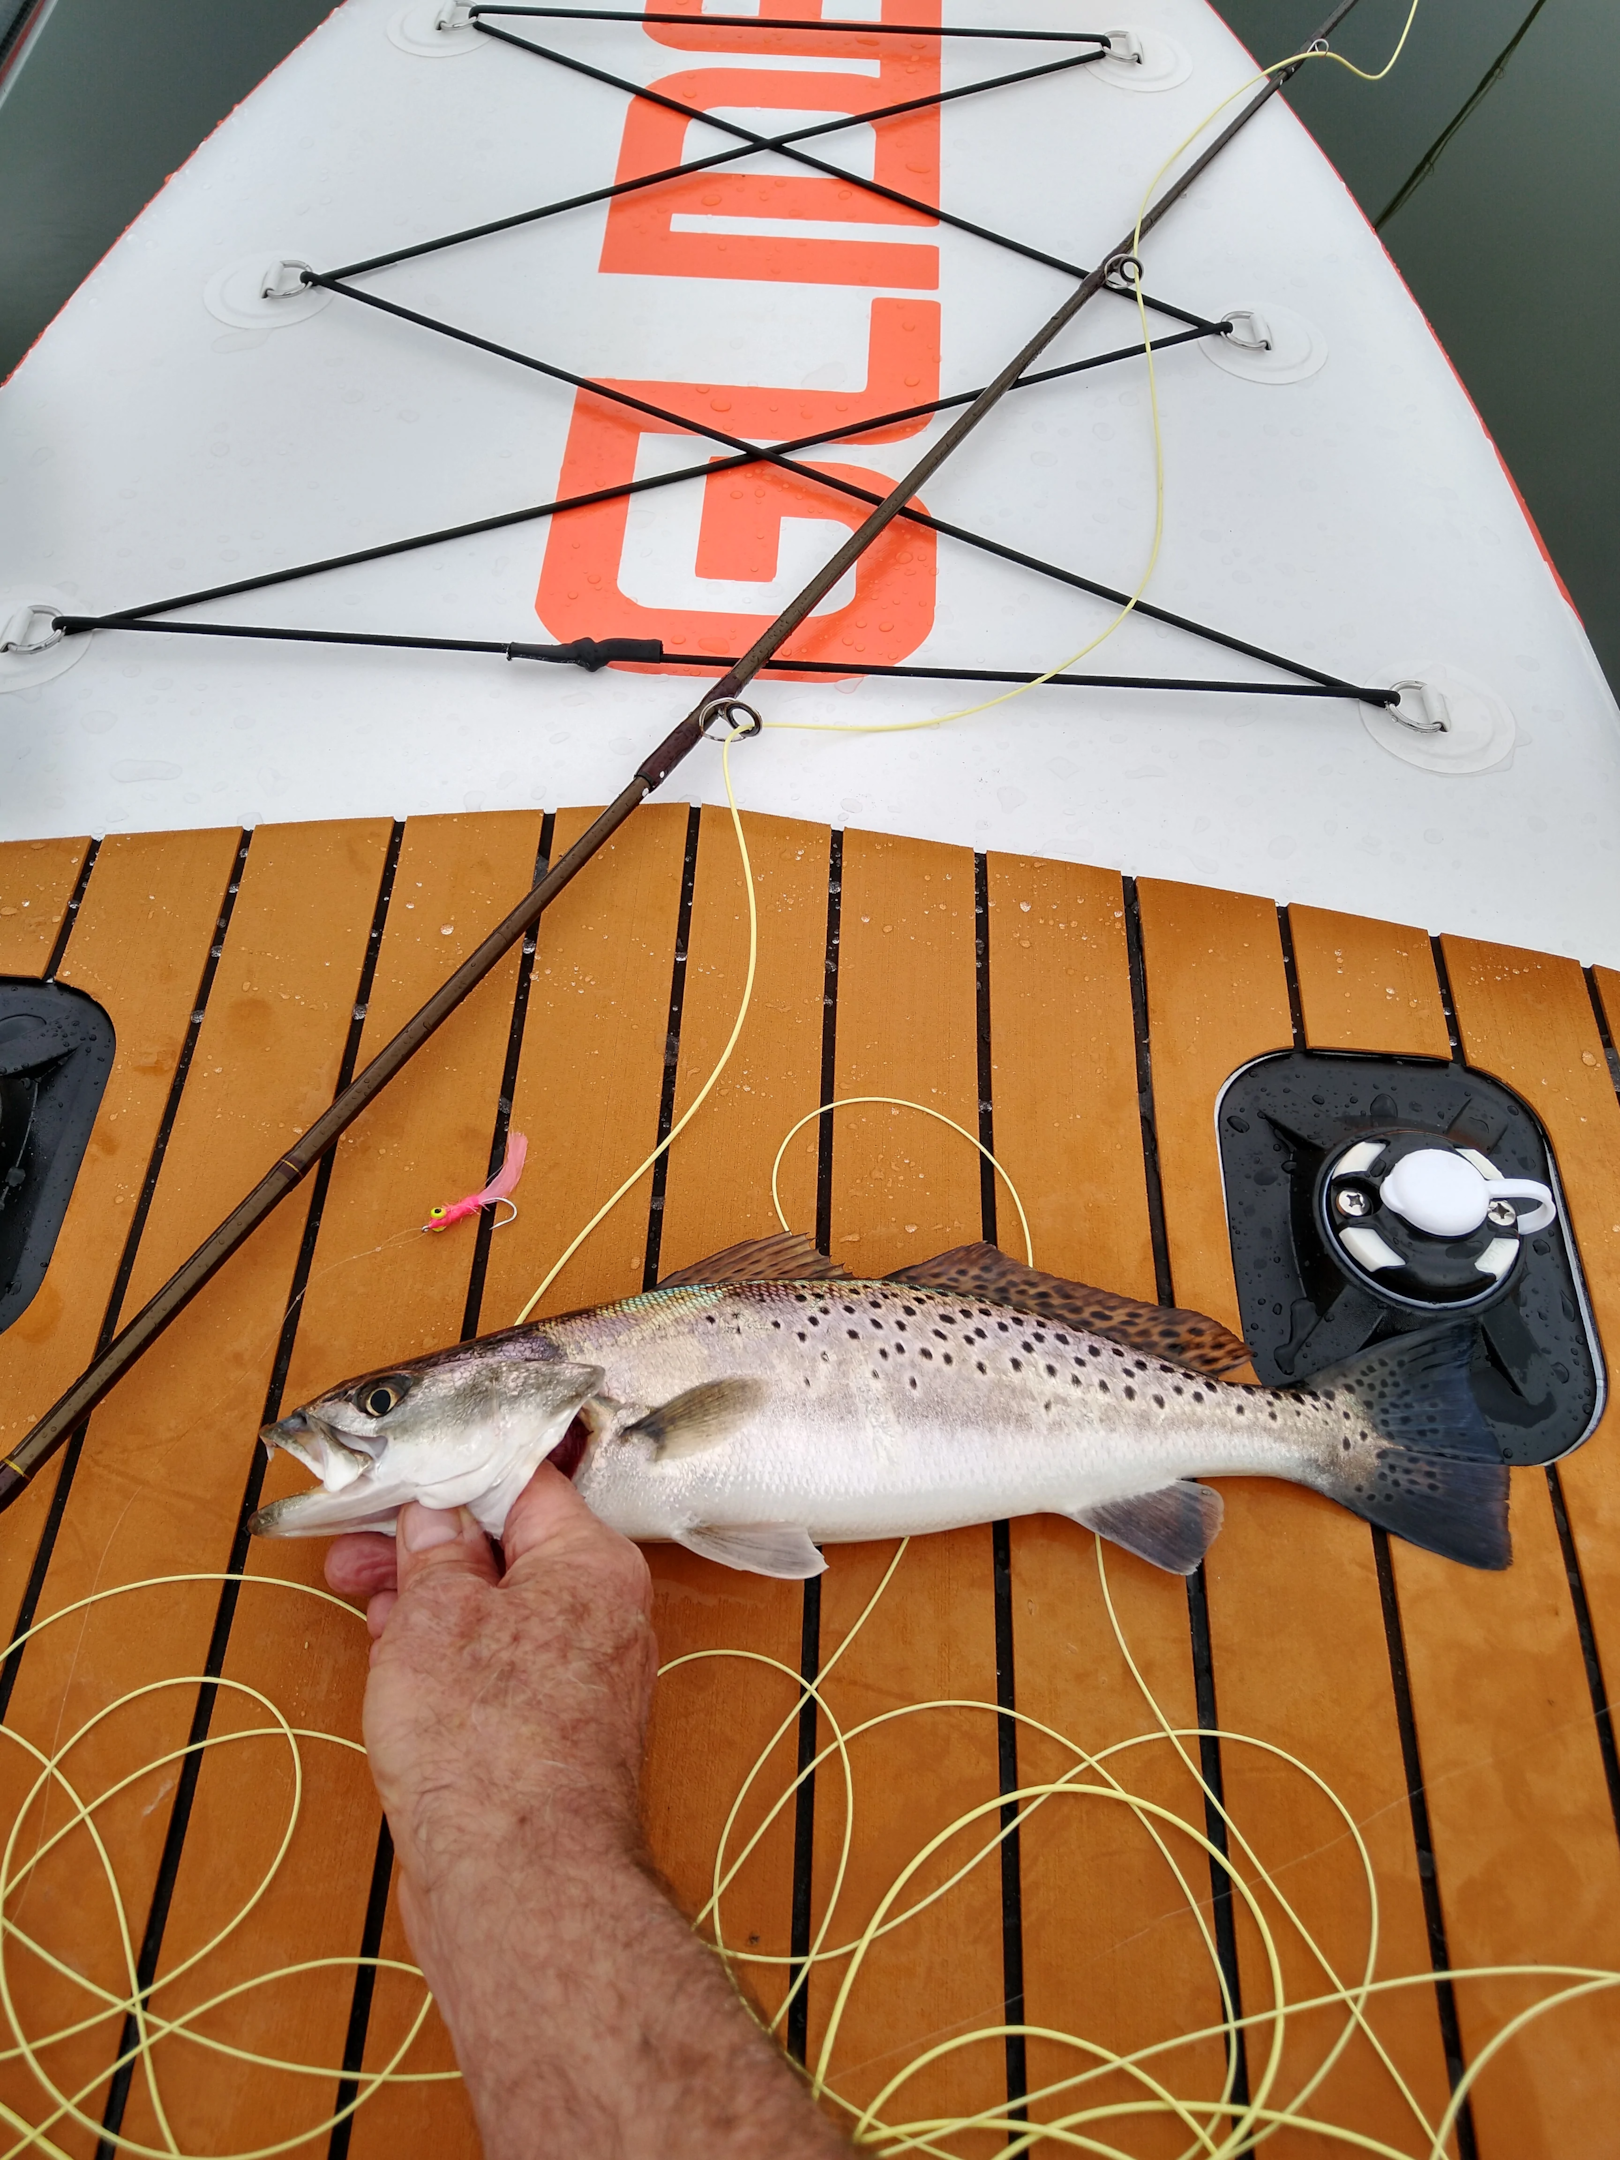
(56, 1052)
(1342, 1176)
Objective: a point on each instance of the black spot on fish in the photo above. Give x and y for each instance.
(910, 1311)
(925, 1352)
(801, 1297)
(939, 1335)
(854, 1334)
(914, 1380)
(813, 1320)
(945, 1356)
(1017, 1364)
(776, 1323)
(983, 1367)
(1063, 1339)
(1130, 1394)
(803, 1337)
(1158, 1402)
(1096, 1349)
(1002, 1327)
(849, 1308)
(1051, 1372)
(883, 1352)
(1178, 1391)
(1103, 1385)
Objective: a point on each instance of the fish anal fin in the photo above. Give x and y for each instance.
(1172, 1528)
(783, 1550)
(981, 1270)
(789, 1256)
(698, 1417)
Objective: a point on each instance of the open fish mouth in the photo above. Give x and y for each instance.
(311, 1441)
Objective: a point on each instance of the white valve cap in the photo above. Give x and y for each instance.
(1440, 1191)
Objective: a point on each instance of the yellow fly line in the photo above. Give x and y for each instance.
(1075, 2116)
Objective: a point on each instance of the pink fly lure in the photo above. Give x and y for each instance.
(499, 1188)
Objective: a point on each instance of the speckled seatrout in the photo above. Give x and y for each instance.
(754, 1419)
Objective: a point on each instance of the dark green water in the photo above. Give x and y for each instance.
(1490, 159)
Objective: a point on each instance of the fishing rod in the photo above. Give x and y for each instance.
(719, 705)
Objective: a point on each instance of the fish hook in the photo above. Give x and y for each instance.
(498, 1189)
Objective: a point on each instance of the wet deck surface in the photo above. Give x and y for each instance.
(1458, 1717)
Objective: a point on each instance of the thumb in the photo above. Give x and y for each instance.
(433, 1541)
(550, 1525)
(548, 1513)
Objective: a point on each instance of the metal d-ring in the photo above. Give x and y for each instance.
(1429, 724)
(728, 709)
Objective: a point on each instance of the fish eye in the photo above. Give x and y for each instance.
(377, 1397)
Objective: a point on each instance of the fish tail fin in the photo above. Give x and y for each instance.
(1408, 1447)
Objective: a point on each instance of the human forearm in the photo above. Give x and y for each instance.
(505, 1719)
(588, 2019)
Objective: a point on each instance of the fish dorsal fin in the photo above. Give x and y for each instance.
(1186, 1338)
(780, 1549)
(695, 1419)
(789, 1256)
(1173, 1528)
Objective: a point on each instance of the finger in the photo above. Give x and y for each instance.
(377, 1611)
(433, 1541)
(360, 1563)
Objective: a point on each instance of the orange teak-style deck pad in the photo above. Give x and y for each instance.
(1459, 1718)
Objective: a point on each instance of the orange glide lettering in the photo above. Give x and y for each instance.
(739, 537)
(640, 228)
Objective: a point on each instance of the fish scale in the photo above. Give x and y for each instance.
(1003, 1414)
(756, 1419)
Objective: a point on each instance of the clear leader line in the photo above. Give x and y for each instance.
(54, 1429)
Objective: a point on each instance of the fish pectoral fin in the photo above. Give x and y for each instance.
(1173, 1528)
(697, 1418)
(780, 1549)
(1191, 1339)
(789, 1256)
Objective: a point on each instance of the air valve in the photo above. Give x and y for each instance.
(1430, 1224)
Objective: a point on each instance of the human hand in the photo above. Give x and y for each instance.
(505, 1714)
(505, 1717)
